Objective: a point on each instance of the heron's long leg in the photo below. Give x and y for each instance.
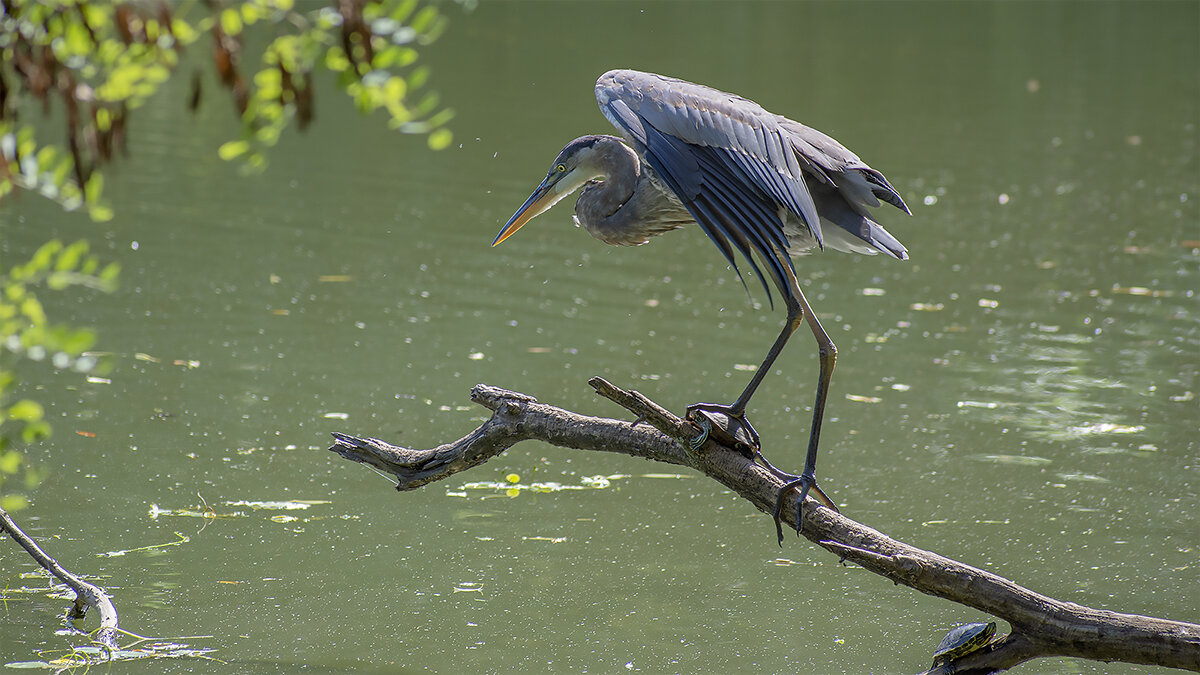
(736, 411)
(808, 477)
(798, 311)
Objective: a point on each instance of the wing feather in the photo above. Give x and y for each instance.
(733, 165)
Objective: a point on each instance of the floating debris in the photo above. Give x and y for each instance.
(1084, 477)
(156, 512)
(978, 404)
(291, 505)
(86, 656)
(926, 307)
(513, 488)
(116, 554)
(1142, 290)
(1106, 428)
(1016, 460)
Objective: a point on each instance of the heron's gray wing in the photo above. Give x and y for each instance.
(748, 140)
(861, 185)
(733, 213)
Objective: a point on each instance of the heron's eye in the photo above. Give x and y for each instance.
(560, 168)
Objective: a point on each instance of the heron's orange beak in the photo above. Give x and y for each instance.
(545, 196)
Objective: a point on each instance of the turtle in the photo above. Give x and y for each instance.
(962, 641)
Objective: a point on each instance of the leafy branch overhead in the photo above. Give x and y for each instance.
(100, 61)
(26, 333)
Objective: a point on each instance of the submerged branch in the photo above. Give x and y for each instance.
(1041, 626)
(85, 594)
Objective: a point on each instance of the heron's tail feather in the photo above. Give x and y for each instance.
(881, 188)
(854, 232)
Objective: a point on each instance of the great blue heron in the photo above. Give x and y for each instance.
(754, 181)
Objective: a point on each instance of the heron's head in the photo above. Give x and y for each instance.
(575, 165)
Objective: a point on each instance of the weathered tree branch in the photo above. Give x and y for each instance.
(1041, 626)
(85, 594)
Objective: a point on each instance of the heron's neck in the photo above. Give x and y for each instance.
(622, 169)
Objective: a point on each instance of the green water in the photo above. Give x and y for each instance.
(1021, 395)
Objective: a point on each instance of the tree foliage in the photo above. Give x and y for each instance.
(29, 335)
(100, 61)
(85, 67)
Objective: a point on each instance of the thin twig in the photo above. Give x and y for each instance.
(85, 594)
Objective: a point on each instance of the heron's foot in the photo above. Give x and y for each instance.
(725, 425)
(804, 483)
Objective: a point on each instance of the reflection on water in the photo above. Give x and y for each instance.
(1020, 395)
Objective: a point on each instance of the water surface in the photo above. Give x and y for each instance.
(1020, 395)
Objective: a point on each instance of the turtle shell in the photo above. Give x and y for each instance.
(963, 640)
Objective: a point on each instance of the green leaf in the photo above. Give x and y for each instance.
(231, 21)
(109, 274)
(10, 462)
(403, 10)
(269, 82)
(232, 150)
(95, 184)
(26, 410)
(70, 257)
(424, 19)
(100, 213)
(183, 31)
(42, 257)
(440, 139)
(14, 503)
(336, 61)
(251, 13)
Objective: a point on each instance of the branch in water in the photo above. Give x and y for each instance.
(1041, 626)
(85, 594)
